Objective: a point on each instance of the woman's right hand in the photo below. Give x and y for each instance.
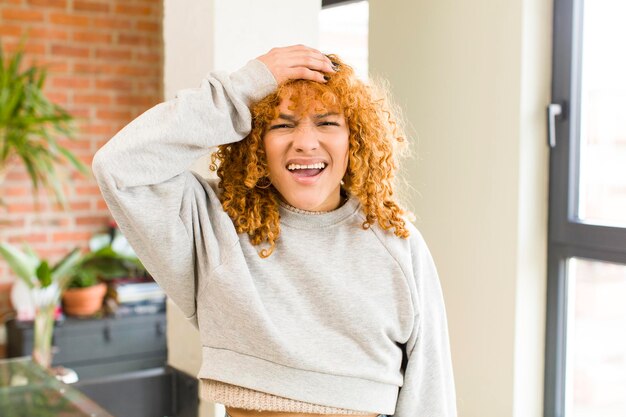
(297, 62)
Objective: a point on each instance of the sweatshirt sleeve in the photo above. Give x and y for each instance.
(428, 389)
(167, 213)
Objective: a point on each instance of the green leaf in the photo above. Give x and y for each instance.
(56, 186)
(99, 241)
(63, 270)
(30, 167)
(23, 264)
(75, 161)
(44, 274)
(30, 251)
(14, 101)
(84, 278)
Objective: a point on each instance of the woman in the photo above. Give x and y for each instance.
(311, 292)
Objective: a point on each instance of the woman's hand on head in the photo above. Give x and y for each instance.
(297, 62)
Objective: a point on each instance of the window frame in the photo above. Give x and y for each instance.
(568, 236)
(331, 3)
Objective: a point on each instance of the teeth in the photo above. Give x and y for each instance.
(319, 165)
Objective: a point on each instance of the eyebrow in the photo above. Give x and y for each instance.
(317, 116)
(286, 117)
(321, 116)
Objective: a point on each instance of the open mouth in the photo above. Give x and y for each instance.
(307, 171)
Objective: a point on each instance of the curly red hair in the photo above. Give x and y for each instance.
(374, 141)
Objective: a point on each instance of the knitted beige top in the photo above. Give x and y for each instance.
(240, 397)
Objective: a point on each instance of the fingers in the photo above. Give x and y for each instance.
(309, 57)
(297, 62)
(317, 62)
(302, 73)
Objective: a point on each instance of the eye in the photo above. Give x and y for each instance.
(281, 126)
(329, 124)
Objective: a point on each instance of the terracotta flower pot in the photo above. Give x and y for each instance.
(84, 301)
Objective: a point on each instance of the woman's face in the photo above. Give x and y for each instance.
(307, 156)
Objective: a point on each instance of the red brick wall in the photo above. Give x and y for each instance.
(106, 60)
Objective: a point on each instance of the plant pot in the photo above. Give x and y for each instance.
(84, 301)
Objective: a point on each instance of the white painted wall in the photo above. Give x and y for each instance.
(205, 35)
(473, 79)
(245, 29)
(188, 32)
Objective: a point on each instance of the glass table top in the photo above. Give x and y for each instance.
(27, 390)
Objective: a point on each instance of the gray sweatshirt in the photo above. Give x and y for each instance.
(336, 316)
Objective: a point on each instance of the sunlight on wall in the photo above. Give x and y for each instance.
(343, 31)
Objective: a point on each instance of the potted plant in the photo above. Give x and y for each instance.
(43, 284)
(28, 124)
(85, 294)
(110, 257)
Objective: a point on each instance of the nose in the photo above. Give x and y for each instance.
(305, 139)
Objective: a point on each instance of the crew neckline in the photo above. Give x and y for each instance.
(290, 217)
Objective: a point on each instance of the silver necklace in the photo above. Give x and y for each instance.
(301, 211)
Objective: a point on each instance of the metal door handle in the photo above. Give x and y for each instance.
(107, 333)
(554, 110)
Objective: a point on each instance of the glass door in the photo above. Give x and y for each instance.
(586, 305)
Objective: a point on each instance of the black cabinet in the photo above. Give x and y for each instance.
(121, 363)
(99, 347)
(155, 392)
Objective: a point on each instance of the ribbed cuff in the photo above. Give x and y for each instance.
(249, 399)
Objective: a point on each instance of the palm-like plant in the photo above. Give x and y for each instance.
(28, 124)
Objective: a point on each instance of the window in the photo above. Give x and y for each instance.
(343, 31)
(586, 328)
